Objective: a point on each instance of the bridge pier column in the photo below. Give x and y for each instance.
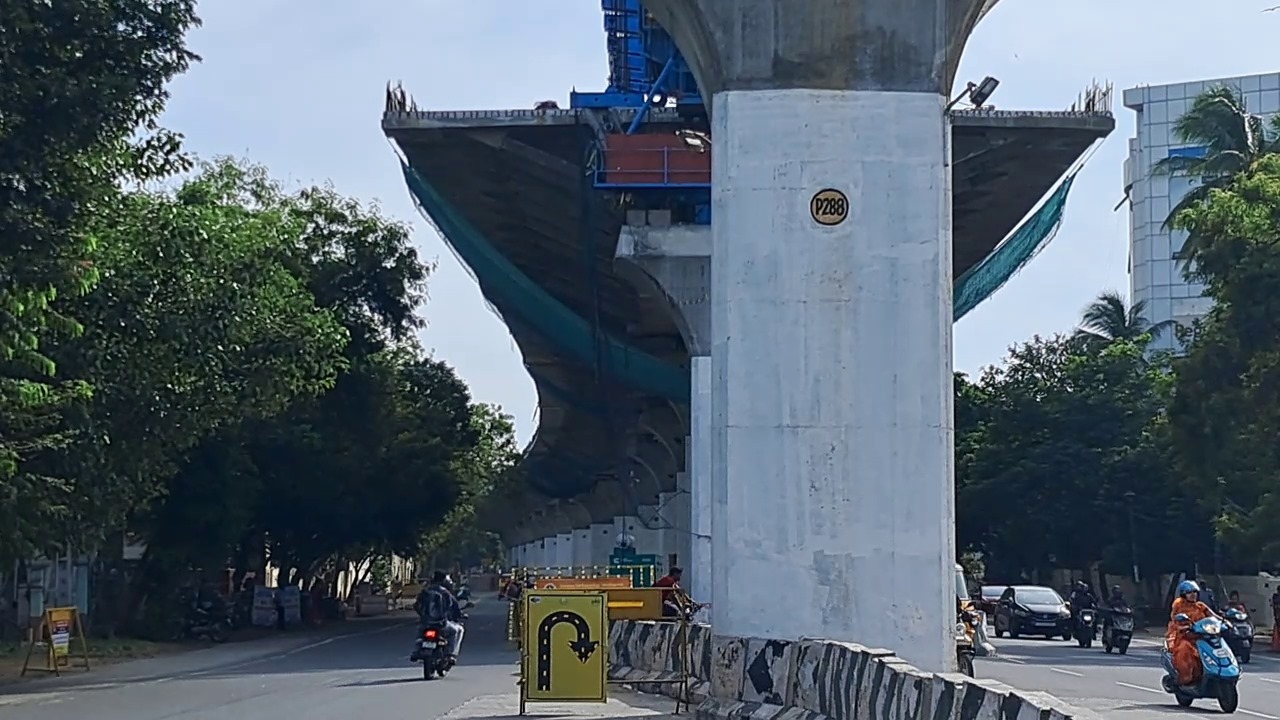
(676, 513)
(602, 540)
(547, 554)
(677, 259)
(645, 529)
(831, 314)
(698, 460)
(582, 546)
(564, 550)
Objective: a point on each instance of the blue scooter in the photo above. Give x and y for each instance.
(1221, 671)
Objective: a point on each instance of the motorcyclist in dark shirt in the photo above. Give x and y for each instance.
(1082, 597)
(436, 605)
(1115, 604)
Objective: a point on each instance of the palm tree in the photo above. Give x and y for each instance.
(1111, 318)
(1233, 139)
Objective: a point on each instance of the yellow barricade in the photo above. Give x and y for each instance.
(635, 604)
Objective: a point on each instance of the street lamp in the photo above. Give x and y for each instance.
(978, 93)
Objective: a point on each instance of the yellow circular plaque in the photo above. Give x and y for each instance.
(829, 207)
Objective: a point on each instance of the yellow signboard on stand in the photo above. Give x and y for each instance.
(59, 628)
(565, 653)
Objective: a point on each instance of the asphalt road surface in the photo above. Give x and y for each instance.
(361, 666)
(1121, 687)
(344, 673)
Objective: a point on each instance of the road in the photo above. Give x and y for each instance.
(361, 666)
(1121, 687)
(358, 670)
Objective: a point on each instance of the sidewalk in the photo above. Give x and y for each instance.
(622, 705)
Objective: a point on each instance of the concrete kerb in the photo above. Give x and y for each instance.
(810, 680)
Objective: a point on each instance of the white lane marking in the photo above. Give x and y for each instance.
(1161, 692)
(1066, 672)
(1270, 680)
(1139, 687)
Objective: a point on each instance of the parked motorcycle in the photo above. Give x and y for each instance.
(1086, 627)
(1221, 671)
(1239, 635)
(1117, 630)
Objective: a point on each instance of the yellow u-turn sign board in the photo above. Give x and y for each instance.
(565, 652)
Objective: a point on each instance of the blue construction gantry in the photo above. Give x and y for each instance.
(654, 165)
(645, 68)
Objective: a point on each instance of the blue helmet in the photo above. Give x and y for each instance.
(1187, 586)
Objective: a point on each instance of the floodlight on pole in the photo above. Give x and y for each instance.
(976, 93)
(980, 94)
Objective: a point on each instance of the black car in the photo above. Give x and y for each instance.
(1032, 610)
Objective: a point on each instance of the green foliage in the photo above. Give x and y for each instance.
(1110, 317)
(487, 478)
(78, 81)
(1053, 448)
(364, 465)
(1234, 138)
(1226, 415)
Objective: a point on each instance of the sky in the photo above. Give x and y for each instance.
(298, 87)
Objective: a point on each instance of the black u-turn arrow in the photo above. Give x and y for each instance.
(583, 646)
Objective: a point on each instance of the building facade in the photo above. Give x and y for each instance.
(1155, 265)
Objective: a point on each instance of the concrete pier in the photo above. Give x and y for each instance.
(831, 480)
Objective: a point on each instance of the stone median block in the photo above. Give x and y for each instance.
(761, 678)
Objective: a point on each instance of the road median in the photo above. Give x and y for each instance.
(763, 678)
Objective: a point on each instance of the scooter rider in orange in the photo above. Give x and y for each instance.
(1186, 658)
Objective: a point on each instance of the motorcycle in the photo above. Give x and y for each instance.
(1239, 634)
(1221, 671)
(433, 649)
(1086, 627)
(1117, 630)
(433, 652)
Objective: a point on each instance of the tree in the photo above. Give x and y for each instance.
(364, 468)
(198, 324)
(1110, 318)
(1233, 138)
(79, 79)
(1226, 413)
(487, 477)
(1053, 440)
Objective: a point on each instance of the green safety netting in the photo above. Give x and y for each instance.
(517, 293)
(982, 280)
